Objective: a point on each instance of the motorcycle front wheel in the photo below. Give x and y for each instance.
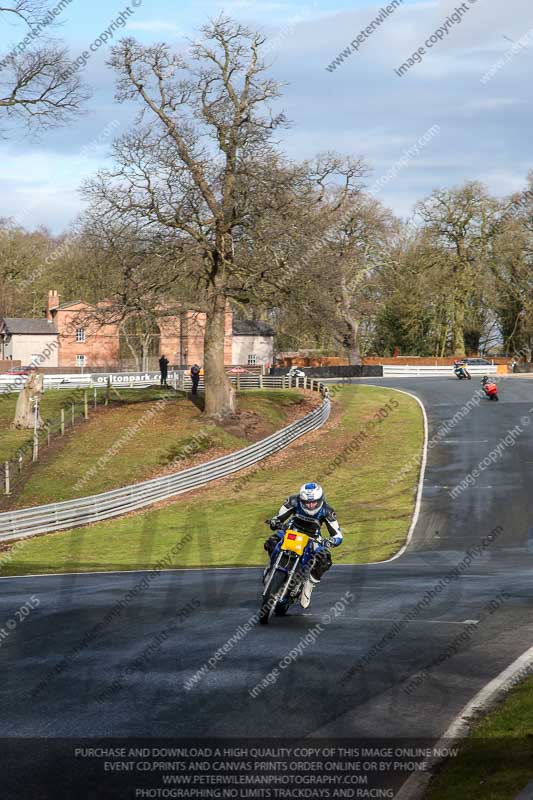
(268, 601)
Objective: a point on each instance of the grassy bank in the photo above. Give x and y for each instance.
(138, 437)
(52, 402)
(372, 435)
(495, 762)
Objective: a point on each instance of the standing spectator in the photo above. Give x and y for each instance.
(514, 364)
(195, 378)
(163, 366)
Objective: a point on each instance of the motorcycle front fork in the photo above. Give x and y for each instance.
(272, 571)
(289, 581)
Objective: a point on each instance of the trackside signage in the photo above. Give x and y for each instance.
(127, 377)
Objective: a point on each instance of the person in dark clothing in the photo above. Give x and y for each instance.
(195, 378)
(163, 366)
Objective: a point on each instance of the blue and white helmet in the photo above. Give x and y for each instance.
(311, 498)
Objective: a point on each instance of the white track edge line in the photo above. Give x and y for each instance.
(487, 698)
(421, 478)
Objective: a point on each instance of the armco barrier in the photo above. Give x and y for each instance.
(83, 511)
(354, 371)
(412, 371)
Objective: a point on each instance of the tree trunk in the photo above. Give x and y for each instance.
(133, 351)
(145, 352)
(353, 324)
(219, 392)
(25, 408)
(458, 333)
(354, 349)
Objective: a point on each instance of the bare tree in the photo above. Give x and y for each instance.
(36, 84)
(199, 172)
(463, 221)
(357, 246)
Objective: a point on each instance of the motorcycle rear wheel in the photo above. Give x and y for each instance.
(267, 603)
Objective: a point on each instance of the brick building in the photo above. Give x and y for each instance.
(83, 342)
(75, 338)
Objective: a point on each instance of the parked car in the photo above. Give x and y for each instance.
(478, 362)
(18, 371)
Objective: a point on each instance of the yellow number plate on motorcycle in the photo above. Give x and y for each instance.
(295, 541)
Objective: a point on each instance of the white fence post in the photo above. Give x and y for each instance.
(35, 453)
(6, 478)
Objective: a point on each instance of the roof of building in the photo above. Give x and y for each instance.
(252, 327)
(17, 325)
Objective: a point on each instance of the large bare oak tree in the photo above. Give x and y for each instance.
(201, 173)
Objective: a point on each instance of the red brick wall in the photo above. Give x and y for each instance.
(312, 361)
(8, 364)
(101, 346)
(422, 361)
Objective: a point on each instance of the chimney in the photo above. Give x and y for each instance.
(52, 303)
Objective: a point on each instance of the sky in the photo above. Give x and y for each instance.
(460, 111)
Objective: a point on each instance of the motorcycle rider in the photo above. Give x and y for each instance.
(460, 367)
(489, 387)
(310, 503)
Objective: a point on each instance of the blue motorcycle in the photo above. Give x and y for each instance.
(461, 372)
(290, 563)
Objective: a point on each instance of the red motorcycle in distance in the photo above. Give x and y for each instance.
(490, 388)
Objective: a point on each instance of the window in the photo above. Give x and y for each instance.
(80, 361)
(80, 334)
(252, 361)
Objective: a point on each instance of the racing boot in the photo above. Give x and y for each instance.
(307, 590)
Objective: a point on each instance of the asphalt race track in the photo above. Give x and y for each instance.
(360, 677)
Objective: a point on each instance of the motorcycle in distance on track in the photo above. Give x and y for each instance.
(461, 371)
(289, 567)
(490, 388)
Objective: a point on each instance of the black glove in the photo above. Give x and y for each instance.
(274, 523)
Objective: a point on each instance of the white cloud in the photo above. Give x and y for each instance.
(155, 26)
(491, 103)
(362, 108)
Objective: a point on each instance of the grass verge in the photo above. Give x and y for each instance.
(372, 435)
(53, 400)
(148, 432)
(495, 761)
